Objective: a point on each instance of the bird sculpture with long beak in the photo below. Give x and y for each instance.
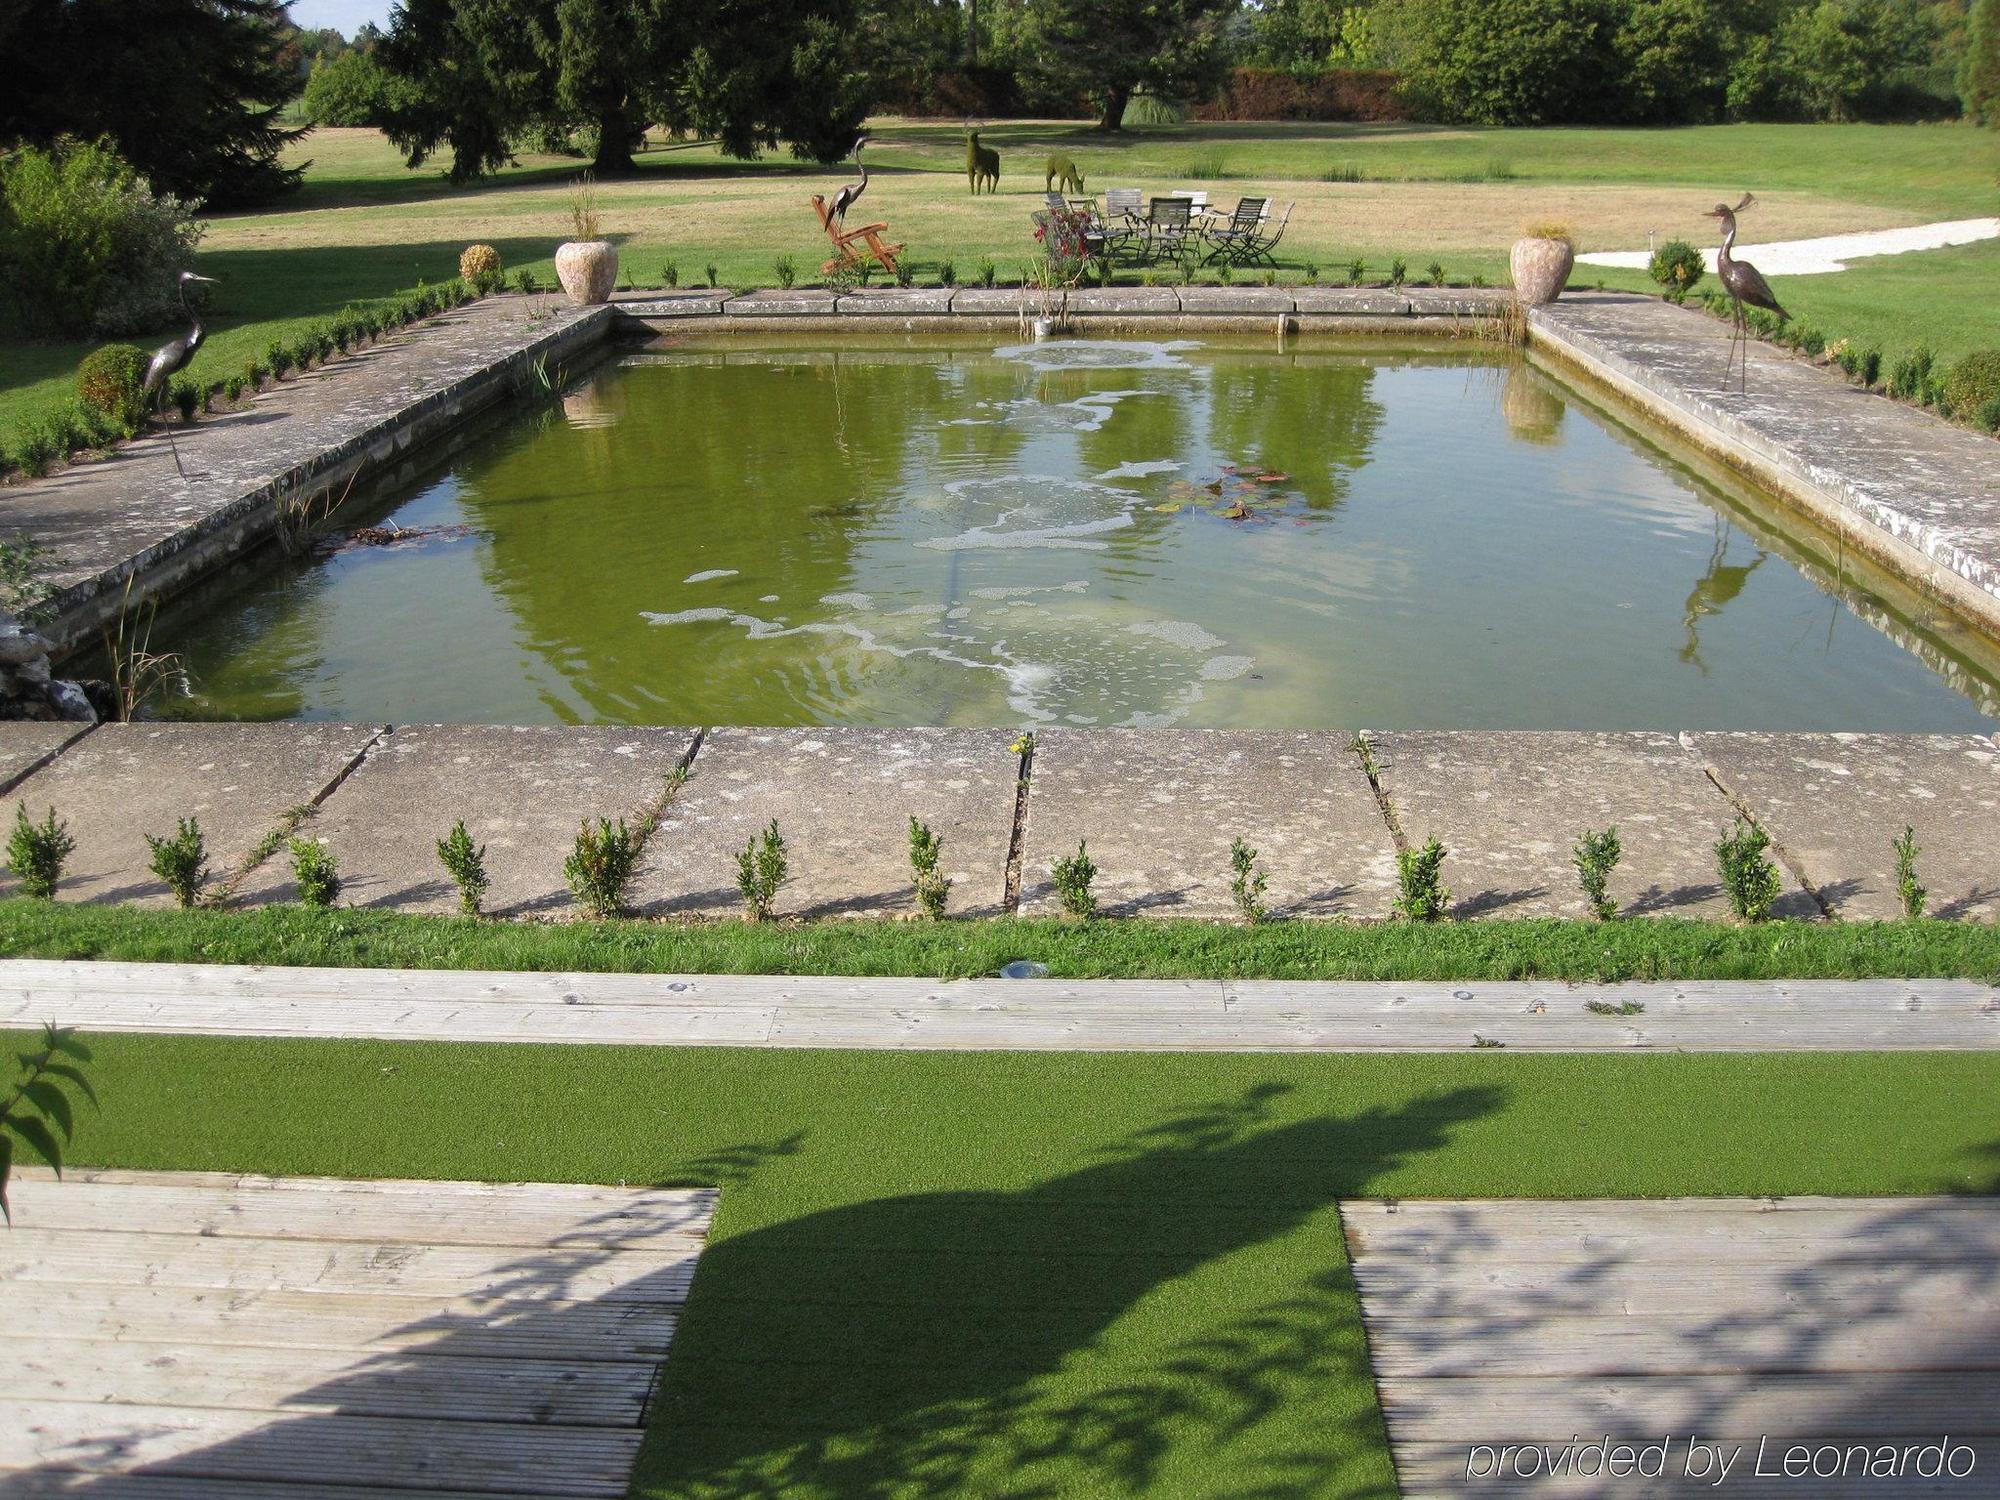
(173, 357)
(1744, 283)
(844, 199)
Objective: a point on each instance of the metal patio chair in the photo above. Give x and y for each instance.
(1229, 241)
(1261, 246)
(1169, 231)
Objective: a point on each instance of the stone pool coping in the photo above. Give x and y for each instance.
(1158, 808)
(1916, 494)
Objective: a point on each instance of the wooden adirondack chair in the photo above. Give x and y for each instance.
(852, 246)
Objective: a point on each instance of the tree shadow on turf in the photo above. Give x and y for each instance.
(984, 1342)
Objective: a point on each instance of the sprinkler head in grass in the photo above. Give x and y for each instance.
(1024, 968)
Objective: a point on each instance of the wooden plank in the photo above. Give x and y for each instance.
(1810, 1320)
(1878, 1404)
(422, 1383)
(750, 1010)
(580, 1216)
(479, 1326)
(194, 1442)
(31, 1257)
(1800, 1340)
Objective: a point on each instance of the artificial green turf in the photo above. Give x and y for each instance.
(1635, 948)
(1036, 1273)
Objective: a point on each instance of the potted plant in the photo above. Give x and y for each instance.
(1542, 263)
(586, 265)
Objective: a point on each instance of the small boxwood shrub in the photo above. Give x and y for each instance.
(1676, 266)
(108, 382)
(1973, 384)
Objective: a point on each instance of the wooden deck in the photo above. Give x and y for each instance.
(1060, 1015)
(172, 1335)
(1807, 1321)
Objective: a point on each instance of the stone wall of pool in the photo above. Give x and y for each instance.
(1158, 809)
(1920, 497)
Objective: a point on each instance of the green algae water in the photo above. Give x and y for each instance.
(1200, 533)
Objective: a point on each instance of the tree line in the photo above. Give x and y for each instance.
(194, 93)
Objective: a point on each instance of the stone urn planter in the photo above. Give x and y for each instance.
(588, 270)
(1541, 269)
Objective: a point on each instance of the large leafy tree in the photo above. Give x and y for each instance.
(482, 73)
(1502, 62)
(188, 90)
(1979, 69)
(1106, 50)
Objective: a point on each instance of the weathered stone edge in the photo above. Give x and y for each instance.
(381, 736)
(1908, 546)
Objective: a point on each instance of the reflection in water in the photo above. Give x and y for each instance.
(926, 532)
(1721, 583)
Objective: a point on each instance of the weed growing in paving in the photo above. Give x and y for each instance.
(1246, 882)
(36, 851)
(315, 871)
(1422, 896)
(467, 867)
(1749, 878)
(933, 887)
(181, 862)
(1908, 890)
(1606, 1008)
(1073, 875)
(762, 866)
(1596, 856)
(600, 865)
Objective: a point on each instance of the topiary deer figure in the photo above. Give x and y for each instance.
(982, 164)
(1060, 169)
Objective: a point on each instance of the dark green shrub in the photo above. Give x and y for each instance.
(1247, 883)
(1356, 270)
(1871, 366)
(89, 247)
(181, 862)
(761, 868)
(465, 862)
(315, 871)
(1987, 418)
(108, 381)
(1811, 341)
(947, 272)
(1422, 895)
(1910, 376)
(524, 282)
(600, 866)
(1073, 876)
(1972, 383)
(36, 851)
(185, 394)
(1595, 856)
(1399, 272)
(670, 276)
(1749, 878)
(932, 885)
(34, 450)
(1676, 266)
(278, 358)
(1434, 273)
(232, 389)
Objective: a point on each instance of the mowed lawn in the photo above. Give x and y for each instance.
(1036, 1273)
(365, 227)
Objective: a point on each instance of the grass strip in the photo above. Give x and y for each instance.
(1636, 948)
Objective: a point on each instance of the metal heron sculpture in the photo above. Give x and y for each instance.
(844, 199)
(1744, 283)
(173, 357)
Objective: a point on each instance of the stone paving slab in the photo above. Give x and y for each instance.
(1121, 299)
(521, 791)
(843, 799)
(1355, 301)
(993, 301)
(1509, 807)
(799, 304)
(133, 510)
(25, 745)
(903, 302)
(1235, 299)
(238, 781)
(1915, 479)
(700, 303)
(1159, 809)
(1835, 802)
